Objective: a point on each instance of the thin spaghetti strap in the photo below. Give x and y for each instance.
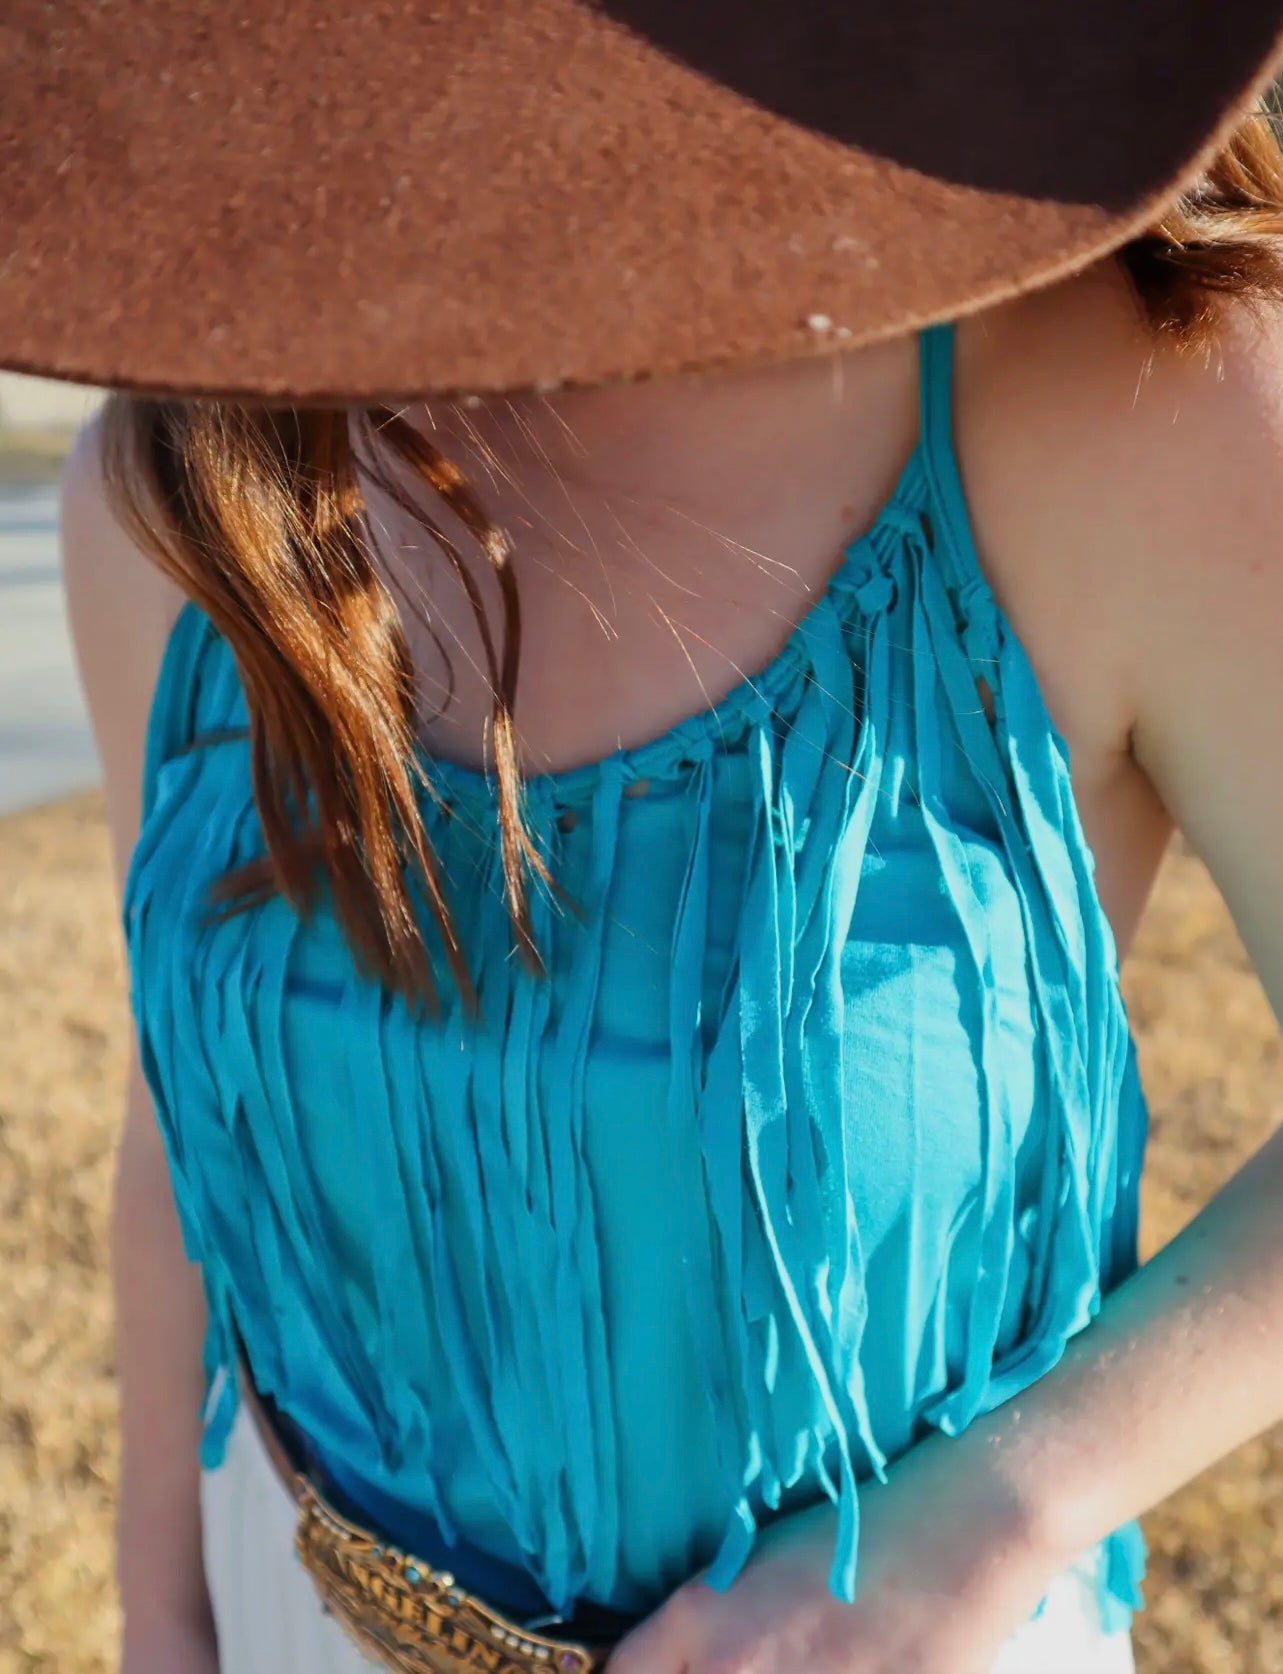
(171, 715)
(953, 543)
(935, 388)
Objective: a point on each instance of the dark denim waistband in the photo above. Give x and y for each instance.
(510, 1590)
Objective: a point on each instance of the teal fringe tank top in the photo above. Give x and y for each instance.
(823, 1131)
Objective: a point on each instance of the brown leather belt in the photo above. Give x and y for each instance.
(400, 1611)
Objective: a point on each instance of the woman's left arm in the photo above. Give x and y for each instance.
(1184, 1361)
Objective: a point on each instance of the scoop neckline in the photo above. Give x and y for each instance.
(697, 734)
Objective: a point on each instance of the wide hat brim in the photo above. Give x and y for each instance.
(311, 201)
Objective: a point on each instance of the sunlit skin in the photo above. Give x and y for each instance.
(1125, 502)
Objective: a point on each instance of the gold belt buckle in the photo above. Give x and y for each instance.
(414, 1619)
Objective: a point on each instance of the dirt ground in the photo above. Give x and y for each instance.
(1212, 1065)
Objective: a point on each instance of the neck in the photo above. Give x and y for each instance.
(665, 538)
(730, 452)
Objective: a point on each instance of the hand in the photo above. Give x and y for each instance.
(950, 1565)
(176, 1648)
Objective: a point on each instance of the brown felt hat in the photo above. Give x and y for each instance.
(303, 199)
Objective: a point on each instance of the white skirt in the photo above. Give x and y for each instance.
(270, 1621)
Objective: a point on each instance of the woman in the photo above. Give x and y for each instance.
(664, 1150)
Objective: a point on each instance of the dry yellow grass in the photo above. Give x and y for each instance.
(1212, 1065)
(62, 1069)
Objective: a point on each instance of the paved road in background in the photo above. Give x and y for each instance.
(46, 748)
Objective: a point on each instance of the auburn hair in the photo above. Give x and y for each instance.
(258, 515)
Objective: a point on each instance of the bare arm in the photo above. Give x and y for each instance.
(120, 610)
(1185, 1361)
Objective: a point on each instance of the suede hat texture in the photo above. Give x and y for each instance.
(306, 200)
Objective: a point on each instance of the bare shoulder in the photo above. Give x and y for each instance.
(1117, 481)
(120, 609)
(1128, 500)
(1119, 433)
